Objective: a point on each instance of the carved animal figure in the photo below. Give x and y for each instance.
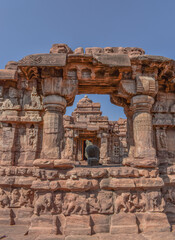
(44, 203)
(75, 205)
(122, 202)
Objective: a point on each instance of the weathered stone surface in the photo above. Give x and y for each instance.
(149, 182)
(43, 163)
(124, 172)
(63, 164)
(154, 222)
(123, 224)
(114, 60)
(115, 184)
(8, 74)
(77, 225)
(44, 60)
(100, 223)
(45, 182)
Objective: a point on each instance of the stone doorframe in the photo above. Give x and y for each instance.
(63, 76)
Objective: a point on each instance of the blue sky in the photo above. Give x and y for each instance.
(32, 26)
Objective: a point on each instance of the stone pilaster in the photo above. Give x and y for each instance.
(53, 131)
(8, 144)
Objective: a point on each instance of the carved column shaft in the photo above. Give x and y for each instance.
(130, 134)
(104, 148)
(53, 130)
(142, 127)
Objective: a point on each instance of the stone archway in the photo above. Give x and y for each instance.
(63, 76)
(35, 180)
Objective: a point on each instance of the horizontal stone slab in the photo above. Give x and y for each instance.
(123, 223)
(113, 60)
(43, 163)
(63, 164)
(66, 185)
(51, 163)
(149, 182)
(142, 163)
(57, 60)
(124, 172)
(116, 184)
(88, 172)
(8, 74)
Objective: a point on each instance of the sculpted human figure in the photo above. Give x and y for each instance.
(93, 204)
(4, 199)
(163, 139)
(32, 136)
(58, 203)
(15, 196)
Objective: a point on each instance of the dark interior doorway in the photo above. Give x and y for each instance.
(85, 143)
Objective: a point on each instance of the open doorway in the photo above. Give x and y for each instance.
(89, 126)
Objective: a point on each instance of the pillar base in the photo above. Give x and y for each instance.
(140, 162)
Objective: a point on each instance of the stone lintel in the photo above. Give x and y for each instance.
(113, 60)
(48, 60)
(8, 74)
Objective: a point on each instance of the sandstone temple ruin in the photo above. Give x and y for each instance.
(46, 185)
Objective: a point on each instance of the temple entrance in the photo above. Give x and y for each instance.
(88, 126)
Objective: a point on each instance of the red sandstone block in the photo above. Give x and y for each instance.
(77, 225)
(123, 223)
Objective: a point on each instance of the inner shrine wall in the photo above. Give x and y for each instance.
(43, 186)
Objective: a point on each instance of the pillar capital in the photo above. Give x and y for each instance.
(55, 102)
(142, 103)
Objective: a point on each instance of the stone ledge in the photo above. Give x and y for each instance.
(141, 163)
(116, 184)
(53, 163)
(66, 185)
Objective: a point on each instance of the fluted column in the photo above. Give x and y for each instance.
(53, 130)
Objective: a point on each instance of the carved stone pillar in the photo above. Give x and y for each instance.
(130, 134)
(69, 145)
(144, 153)
(104, 148)
(142, 127)
(53, 130)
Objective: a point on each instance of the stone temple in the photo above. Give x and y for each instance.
(88, 124)
(47, 189)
